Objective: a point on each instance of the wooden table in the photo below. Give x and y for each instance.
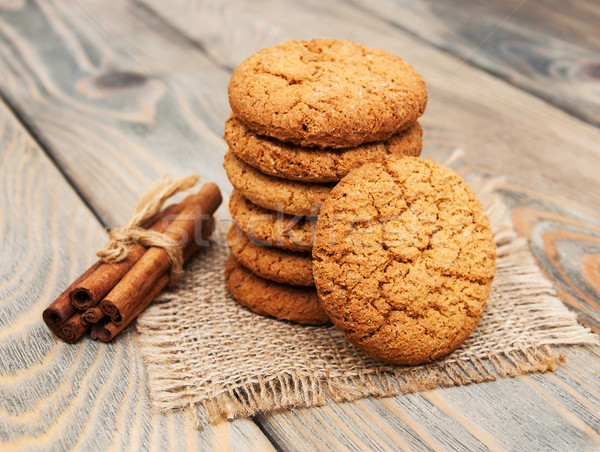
(101, 97)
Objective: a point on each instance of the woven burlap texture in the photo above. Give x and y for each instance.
(206, 352)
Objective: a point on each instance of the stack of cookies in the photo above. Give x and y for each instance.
(305, 114)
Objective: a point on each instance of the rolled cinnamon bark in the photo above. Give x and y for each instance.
(61, 309)
(73, 328)
(93, 314)
(122, 302)
(108, 329)
(68, 323)
(90, 290)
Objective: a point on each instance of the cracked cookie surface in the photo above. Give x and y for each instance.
(291, 232)
(326, 93)
(404, 259)
(275, 264)
(282, 301)
(273, 193)
(280, 159)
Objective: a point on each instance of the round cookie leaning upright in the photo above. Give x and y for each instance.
(326, 93)
(404, 259)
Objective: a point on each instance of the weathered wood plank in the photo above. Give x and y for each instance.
(546, 48)
(562, 240)
(100, 102)
(87, 396)
(556, 411)
(501, 129)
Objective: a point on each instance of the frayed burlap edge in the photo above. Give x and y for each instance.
(289, 391)
(556, 326)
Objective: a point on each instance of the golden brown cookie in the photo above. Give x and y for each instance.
(272, 228)
(404, 259)
(326, 93)
(273, 193)
(282, 301)
(311, 164)
(275, 264)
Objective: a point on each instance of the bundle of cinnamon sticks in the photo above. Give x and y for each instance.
(108, 296)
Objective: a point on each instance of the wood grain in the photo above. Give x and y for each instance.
(119, 92)
(547, 48)
(565, 243)
(109, 119)
(556, 411)
(54, 395)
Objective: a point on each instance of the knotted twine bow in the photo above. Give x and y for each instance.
(135, 232)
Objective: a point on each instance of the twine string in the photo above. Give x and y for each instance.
(145, 213)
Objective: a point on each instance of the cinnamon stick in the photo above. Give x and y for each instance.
(58, 316)
(93, 314)
(73, 328)
(90, 290)
(61, 309)
(122, 302)
(69, 323)
(108, 329)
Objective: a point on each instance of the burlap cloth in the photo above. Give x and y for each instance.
(205, 352)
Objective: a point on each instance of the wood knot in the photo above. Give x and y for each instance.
(592, 70)
(121, 79)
